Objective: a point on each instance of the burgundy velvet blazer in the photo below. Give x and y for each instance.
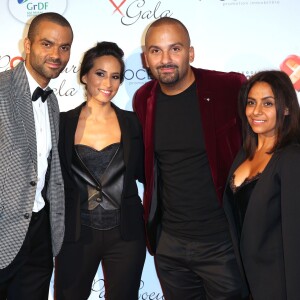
(217, 94)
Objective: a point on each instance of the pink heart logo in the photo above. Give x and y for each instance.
(291, 66)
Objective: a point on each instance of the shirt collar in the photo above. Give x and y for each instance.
(32, 83)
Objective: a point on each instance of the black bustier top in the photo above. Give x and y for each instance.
(99, 176)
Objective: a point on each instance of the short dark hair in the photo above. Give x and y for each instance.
(169, 21)
(101, 49)
(49, 16)
(287, 126)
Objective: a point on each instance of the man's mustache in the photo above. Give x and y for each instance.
(167, 66)
(54, 61)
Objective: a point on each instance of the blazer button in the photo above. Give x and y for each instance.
(26, 216)
(33, 183)
(99, 200)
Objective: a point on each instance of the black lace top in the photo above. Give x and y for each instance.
(96, 161)
(240, 199)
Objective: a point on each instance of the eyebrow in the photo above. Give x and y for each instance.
(52, 42)
(264, 98)
(46, 40)
(169, 46)
(113, 73)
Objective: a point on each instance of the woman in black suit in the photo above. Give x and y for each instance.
(262, 199)
(101, 152)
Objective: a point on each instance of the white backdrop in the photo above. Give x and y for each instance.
(228, 35)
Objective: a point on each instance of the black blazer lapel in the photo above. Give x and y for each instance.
(125, 132)
(227, 195)
(70, 125)
(240, 157)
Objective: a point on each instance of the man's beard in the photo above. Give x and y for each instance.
(48, 72)
(168, 78)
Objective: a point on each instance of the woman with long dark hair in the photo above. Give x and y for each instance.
(262, 199)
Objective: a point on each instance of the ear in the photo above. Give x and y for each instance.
(27, 45)
(191, 54)
(83, 78)
(286, 111)
(146, 60)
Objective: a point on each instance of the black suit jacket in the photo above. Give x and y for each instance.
(132, 224)
(270, 240)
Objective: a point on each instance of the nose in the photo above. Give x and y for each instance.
(257, 110)
(165, 58)
(107, 82)
(55, 52)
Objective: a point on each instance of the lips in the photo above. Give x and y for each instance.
(167, 68)
(257, 122)
(54, 65)
(106, 92)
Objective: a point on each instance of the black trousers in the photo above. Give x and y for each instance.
(194, 270)
(28, 276)
(78, 262)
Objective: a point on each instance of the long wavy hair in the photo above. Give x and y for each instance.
(287, 125)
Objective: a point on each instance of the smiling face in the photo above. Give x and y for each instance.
(48, 52)
(103, 79)
(261, 109)
(168, 55)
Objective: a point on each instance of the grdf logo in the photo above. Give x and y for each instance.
(24, 10)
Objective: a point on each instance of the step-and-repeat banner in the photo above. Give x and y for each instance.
(228, 35)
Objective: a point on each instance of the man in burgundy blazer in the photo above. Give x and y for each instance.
(191, 135)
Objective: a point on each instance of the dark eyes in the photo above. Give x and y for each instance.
(265, 103)
(64, 48)
(46, 44)
(156, 51)
(268, 103)
(102, 74)
(250, 103)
